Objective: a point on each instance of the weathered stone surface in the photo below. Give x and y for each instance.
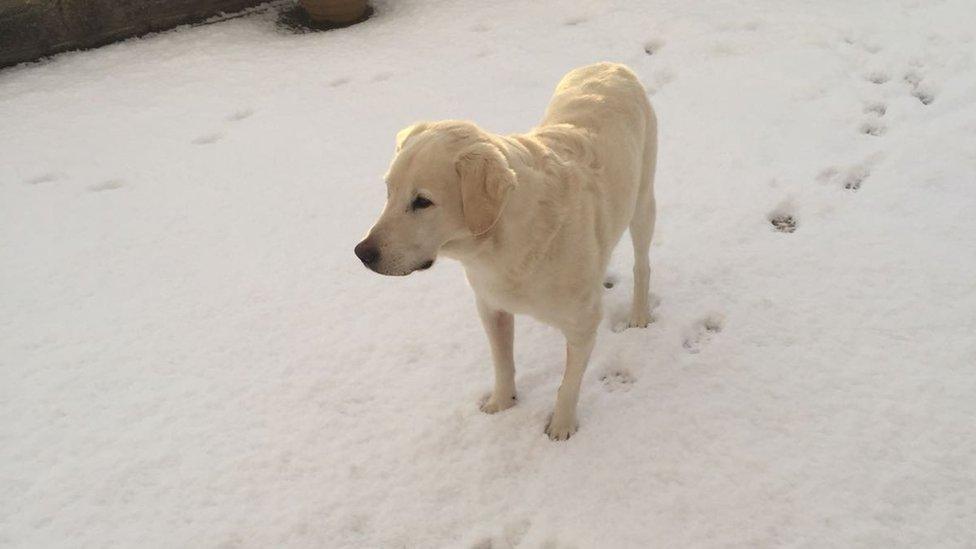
(30, 29)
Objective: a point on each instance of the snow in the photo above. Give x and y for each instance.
(191, 355)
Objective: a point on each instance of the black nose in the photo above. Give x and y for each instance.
(367, 253)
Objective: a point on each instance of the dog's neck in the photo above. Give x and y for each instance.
(534, 207)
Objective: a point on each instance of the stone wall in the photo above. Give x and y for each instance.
(30, 29)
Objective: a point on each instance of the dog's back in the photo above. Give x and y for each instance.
(605, 108)
(604, 98)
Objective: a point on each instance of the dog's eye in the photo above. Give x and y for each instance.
(420, 203)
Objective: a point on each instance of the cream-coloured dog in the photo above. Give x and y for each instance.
(533, 218)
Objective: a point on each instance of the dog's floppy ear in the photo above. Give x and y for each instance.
(408, 132)
(486, 181)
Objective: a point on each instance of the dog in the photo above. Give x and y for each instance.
(533, 218)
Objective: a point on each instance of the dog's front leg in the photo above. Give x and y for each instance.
(579, 345)
(500, 327)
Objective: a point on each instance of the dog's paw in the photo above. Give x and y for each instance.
(633, 321)
(561, 428)
(640, 320)
(638, 317)
(491, 405)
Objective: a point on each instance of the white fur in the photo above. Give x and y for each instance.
(532, 217)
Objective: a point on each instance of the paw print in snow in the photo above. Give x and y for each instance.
(699, 335)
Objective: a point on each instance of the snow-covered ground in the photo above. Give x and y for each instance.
(192, 356)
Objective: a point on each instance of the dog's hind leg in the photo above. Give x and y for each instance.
(500, 327)
(641, 232)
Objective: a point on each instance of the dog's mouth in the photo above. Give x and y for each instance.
(421, 267)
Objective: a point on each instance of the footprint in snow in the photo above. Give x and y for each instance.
(43, 178)
(213, 137)
(575, 20)
(699, 335)
(854, 178)
(653, 45)
(912, 78)
(924, 96)
(783, 222)
(874, 128)
(869, 47)
(827, 174)
(339, 82)
(617, 380)
(919, 89)
(240, 115)
(877, 77)
(109, 185)
(850, 179)
(876, 108)
(208, 138)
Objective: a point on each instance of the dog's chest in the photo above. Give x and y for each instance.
(527, 297)
(520, 297)
(498, 297)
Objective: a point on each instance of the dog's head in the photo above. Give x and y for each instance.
(447, 181)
